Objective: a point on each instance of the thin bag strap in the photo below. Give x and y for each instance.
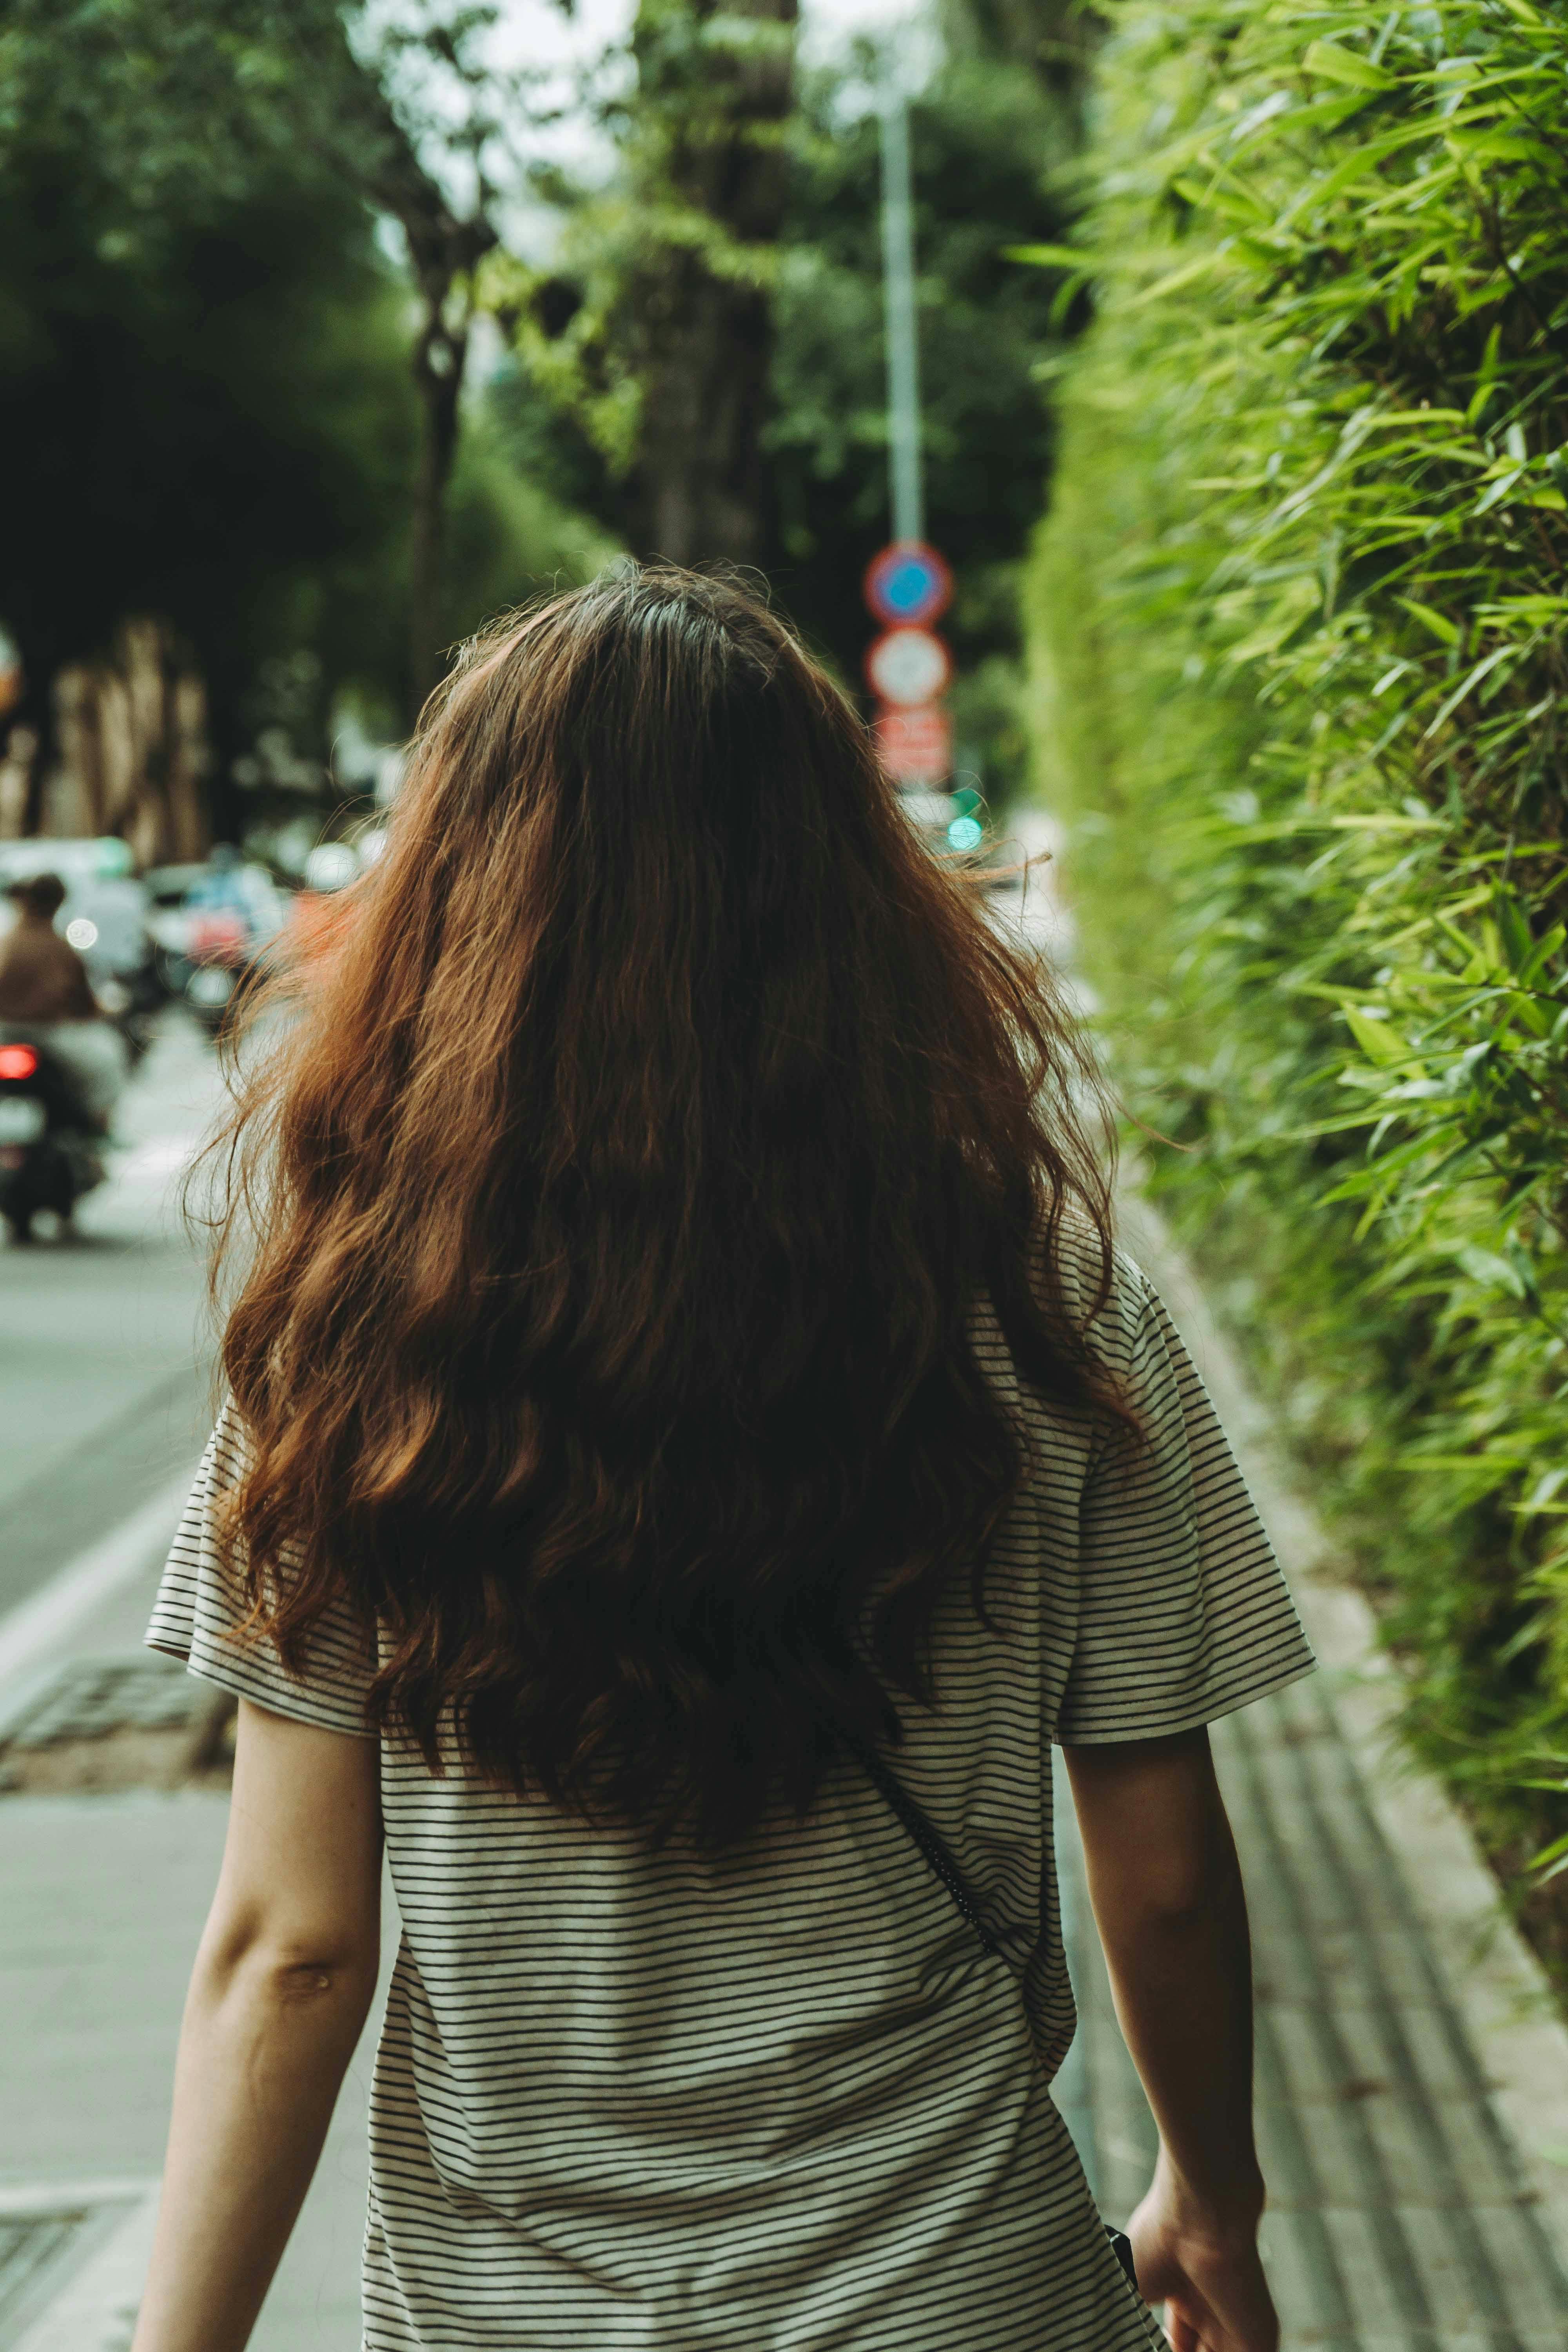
(930, 1841)
(936, 1853)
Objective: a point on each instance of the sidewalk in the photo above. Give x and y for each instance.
(1411, 2065)
(101, 1903)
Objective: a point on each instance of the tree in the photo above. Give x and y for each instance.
(415, 123)
(981, 138)
(619, 363)
(410, 119)
(652, 340)
(207, 404)
(709, 174)
(1056, 39)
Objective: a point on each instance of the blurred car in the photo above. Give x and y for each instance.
(213, 924)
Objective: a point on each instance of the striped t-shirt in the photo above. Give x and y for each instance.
(785, 2100)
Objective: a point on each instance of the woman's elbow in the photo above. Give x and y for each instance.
(290, 1968)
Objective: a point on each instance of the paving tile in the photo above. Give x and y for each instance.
(1395, 2219)
(1304, 2276)
(105, 1899)
(1358, 2238)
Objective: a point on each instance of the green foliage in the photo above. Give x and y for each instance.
(507, 539)
(1301, 617)
(206, 357)
(208, 406)
(984, 137)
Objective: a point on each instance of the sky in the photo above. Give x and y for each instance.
(830, 26)
(536, 32)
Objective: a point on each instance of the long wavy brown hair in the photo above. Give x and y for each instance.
(615, 1202)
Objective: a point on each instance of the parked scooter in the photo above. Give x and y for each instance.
(51, 1151)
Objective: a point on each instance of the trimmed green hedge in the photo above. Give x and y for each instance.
(1299, 614)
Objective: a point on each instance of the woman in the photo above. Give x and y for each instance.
(681, 1380)
(46, 997)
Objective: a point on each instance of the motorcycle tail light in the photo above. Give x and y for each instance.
(17, 1061)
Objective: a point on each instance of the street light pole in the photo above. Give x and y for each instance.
(898, 315)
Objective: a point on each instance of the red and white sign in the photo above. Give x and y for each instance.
(907, 665)
(915, 745)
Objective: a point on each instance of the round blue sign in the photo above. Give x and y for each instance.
(908, 582)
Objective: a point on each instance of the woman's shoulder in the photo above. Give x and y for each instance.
(1102, 1290)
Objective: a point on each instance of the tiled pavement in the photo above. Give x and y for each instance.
(101, 1901)
(1400, 2219)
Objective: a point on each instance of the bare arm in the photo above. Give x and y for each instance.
(1167, 1895)
(283, 1981)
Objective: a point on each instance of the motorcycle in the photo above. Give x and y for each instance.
(49, 1155)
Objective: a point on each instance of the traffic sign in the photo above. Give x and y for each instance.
(915, 745)
(907, 665)
(908, 582)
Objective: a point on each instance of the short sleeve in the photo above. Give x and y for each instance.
(202, 1607)
(1182, 1611)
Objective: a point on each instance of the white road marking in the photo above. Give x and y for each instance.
(30, 1630)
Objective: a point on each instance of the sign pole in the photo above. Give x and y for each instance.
(898, 313)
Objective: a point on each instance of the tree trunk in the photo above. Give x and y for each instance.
(715, 110)
(1057, 40)
(438, 360)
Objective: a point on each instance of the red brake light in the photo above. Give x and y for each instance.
(17, 1061)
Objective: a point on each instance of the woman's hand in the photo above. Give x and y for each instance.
(1204, 2269)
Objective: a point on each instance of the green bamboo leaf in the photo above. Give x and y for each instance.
(1548, 1485)
(1490, 1467)
(1329, 62)
(1051, 257)
(1377, 1041)
(1438, 623)
(1487, 1267)
(1467, 685)
(1205, 265)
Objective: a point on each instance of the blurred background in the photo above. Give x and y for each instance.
(1157, 416)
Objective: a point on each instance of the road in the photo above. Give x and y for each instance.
(104, 1385)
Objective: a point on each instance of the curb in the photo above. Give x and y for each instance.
(30, 1633)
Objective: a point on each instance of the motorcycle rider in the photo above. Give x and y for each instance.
(46, 998)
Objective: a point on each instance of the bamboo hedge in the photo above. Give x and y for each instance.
(1299, 614)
